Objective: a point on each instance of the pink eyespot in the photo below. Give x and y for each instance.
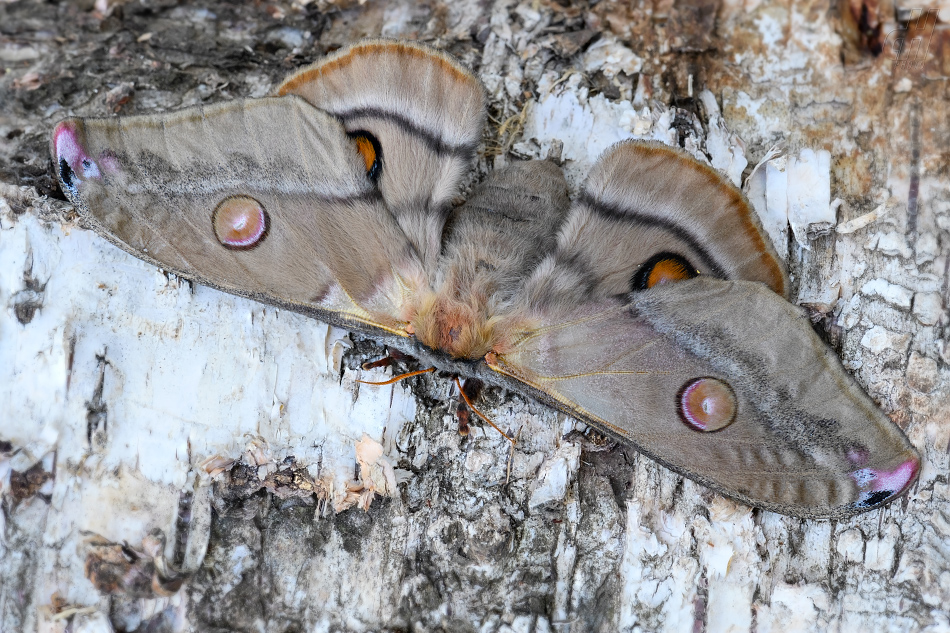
(240, 222)
(707, 404)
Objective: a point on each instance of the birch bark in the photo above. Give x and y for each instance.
(222, 438)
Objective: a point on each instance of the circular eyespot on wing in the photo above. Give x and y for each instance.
(240, 222)
(662, 268)
(707, 404)
(369, 148)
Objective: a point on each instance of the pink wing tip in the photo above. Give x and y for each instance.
(879, 486)
(69, 149)
(66, 144)
(898, 479)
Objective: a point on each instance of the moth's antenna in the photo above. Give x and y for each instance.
(479, 413)
(398, 378)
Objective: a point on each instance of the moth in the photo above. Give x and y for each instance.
(652, 307)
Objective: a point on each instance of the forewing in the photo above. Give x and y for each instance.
(425, 109)
(804, 438)
(264, 198)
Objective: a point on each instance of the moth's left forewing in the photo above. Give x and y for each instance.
(264, 198)
(802, 439)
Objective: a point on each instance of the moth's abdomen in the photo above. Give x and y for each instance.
(509, 223)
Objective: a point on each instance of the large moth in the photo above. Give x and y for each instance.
(653, 307)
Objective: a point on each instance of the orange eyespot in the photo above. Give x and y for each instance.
(668, 271)
(368, 147)
(662, 268)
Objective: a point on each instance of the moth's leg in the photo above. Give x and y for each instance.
(395, 379)
(463, 417)
(392, 357)
(472, 388)
(385, 361)
(463, 391)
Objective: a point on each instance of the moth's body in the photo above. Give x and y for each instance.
(651, 307)
(492, 243)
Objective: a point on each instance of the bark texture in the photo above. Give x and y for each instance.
(172, 458)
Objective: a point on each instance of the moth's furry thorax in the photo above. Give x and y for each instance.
(462, 325)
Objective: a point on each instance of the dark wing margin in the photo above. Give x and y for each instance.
(264, 198)
(802, 439)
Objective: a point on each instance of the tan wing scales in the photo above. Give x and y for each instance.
(264, 198)
(643, 201)
(726, 383)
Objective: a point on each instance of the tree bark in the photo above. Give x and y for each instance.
(174, 458)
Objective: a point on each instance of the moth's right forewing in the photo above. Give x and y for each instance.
(264, 198)
(802, 438)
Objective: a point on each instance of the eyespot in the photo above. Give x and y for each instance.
(662, 268)
(368, 147)
(240, 222)
(707, 404)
